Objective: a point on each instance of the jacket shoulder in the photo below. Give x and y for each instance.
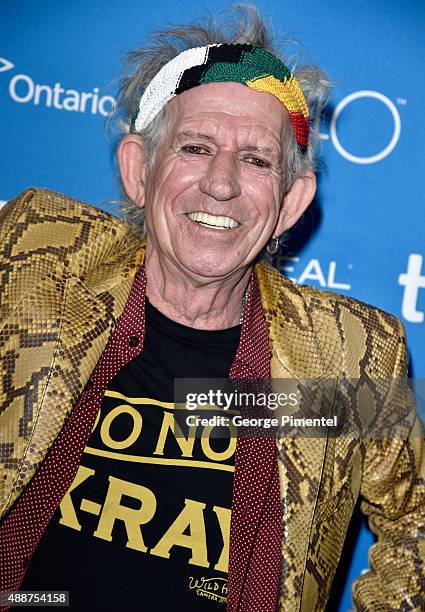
(320, 300)
(367, 338)
(335, 301)
(43, 233)
(42, 205)
(377, 336)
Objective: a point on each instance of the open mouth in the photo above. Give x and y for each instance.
(219, 222)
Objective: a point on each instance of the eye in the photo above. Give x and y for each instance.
(195, 150)
(256, 161)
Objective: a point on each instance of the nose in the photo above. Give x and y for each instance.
(221, 177)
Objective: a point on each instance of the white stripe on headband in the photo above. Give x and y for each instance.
(163, 86)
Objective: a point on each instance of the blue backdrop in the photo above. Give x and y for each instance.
(364, 236)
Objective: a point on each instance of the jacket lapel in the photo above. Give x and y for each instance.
(295, 330)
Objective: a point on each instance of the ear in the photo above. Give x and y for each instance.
(296, 201)
(132, 161)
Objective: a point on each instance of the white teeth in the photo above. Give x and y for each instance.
(217, 221)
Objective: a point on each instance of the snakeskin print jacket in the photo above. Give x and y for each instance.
(66, 270)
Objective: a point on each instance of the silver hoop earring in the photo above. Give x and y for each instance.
(273, 246)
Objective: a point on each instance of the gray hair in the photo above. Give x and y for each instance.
(244, 25)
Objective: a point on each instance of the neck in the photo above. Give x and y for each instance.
(201, 303)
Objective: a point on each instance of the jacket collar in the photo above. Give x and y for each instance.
(295, 328)
(293, 325)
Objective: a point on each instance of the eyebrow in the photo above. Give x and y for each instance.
(259, 149)
(206, 138)
(193, 134)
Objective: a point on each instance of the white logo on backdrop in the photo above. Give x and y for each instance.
(333, 128)
(5, 64)
(24, 90)
(412, 280)
(313, 271)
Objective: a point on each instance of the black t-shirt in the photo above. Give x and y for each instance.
(145, 524)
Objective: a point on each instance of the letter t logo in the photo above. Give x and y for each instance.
(412, 280)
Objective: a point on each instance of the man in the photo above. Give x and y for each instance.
(101, 493)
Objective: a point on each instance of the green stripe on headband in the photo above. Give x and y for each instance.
(254, 64)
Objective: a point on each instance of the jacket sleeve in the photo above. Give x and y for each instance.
(393, 490)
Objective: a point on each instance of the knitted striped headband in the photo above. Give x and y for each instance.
(252, 66)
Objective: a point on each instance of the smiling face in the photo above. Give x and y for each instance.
(215, 194)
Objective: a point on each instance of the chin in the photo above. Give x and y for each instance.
(209, 266)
